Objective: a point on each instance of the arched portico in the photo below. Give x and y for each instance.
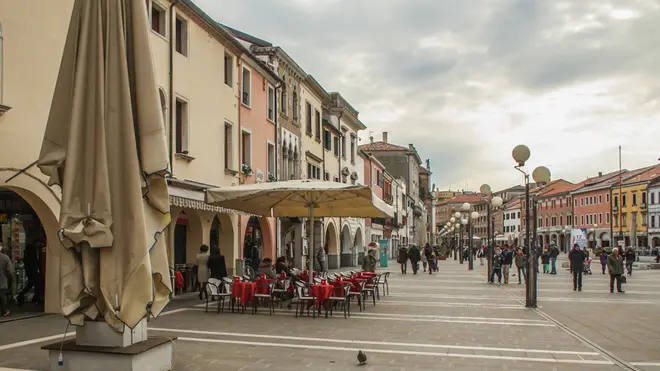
(45, 201)
(346, 246)
(260, 230)
(331, 244)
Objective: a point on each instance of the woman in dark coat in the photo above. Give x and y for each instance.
(217, 263)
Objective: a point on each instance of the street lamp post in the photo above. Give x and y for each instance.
(594, 232)
(457, 219)
(541, 175)
(473, 217)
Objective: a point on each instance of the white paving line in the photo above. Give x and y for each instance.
(389, 351)
(646, 364)
(364, 342)
(451, 304)
(402, 315)
(450, 296)
(34, 341)
(395, 318)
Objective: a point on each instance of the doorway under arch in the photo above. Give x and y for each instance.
(331, 247)
(359, 246)
(347, 248)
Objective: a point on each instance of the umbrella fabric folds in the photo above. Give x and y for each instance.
(302, 198)
(105, 147)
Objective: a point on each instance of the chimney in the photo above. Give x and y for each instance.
(371, 137)
(384, 137)
(600, 174)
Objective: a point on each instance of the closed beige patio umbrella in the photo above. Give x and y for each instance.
(105, 147)
(302, 199)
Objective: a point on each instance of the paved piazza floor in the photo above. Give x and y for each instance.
(447, 321)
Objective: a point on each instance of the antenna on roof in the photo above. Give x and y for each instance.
(371, 136)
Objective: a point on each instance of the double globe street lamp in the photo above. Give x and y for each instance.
(541, 174)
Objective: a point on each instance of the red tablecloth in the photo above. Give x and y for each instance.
(339, 287)
(366, 274)
(322, 293)
(262, 283)
(244, 291)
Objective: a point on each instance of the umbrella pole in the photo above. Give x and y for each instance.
(311, 244)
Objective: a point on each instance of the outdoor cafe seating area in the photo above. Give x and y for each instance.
(328, 294)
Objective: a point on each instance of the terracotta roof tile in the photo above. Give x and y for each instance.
(651, 173)
(381, 146)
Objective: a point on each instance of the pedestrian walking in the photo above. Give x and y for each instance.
(217, 264)
(603, 260)
(428, 252)
(554, 253)
(497, 266)
(203, 270)
(630, 259)
(436, 254)
(6, 271)
(402, 259)
(577, 258)
(425, 262)
(507, 262)
(545, 260)
(415, 256)
(369, 262)
(322, 257)
(615, 268)
(520, 264)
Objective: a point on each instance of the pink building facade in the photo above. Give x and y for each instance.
(592, 209)
(255, 136)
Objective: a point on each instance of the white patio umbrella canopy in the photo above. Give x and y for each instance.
(105, 146)
(303, 199)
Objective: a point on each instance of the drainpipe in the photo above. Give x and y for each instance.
(170, 135)
(341, 227)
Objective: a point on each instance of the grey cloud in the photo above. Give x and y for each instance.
(520, 49)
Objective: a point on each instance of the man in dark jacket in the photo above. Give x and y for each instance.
(554, 253)
(630, 259)
(415, 256)
(615, 268)
(428, 252)
(577, 258)
(402, 258)
(31, 264)
(507, 261)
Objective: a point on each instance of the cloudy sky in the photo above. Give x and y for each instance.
(466, 81)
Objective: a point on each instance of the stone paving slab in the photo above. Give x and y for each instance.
(451, 320)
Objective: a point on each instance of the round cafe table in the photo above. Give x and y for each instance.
(322, 293)
(262, 283)
(244, 291)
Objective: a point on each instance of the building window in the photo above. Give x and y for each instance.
(229, 70)
(181, 36)
(181, 129)
(313, 171)
(643, 198)
(379, 178)
(343, 144)
(158, 18)
(247, 87)
(581, 201)
(518, 214)
(624, 216)
(295, 105)
(327, 140)
(246, 148)
(308, 118)
(653, 198)
(652, 221)
(353, 147)
(271, 159)
(616, 220)
(623, 201)
(271, 104)
(283, 97)
(616, 201)
(561, 220)
(336, 142)
(607, 198)
(569, 219)
(575, 204)
(600, 218)
(581, 219)
(634, 199)
(229, 143)
(607, 218)
(644, 219)
(317, 124)
(600, 199)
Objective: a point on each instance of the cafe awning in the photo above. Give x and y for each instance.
(194, 199)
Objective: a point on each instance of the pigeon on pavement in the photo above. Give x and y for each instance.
(362, 358)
